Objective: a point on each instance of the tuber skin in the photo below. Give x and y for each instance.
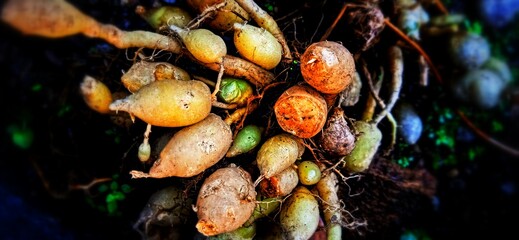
(192, 150)
(246, 139)
(308, 172)
(328, 67)
(143, 73)
(225, 202)
(96, 95)
(280, 184)
(33, 17)
(164, 16)
(301, 111)
(366, 146)
(328, 188)
(235, 91)
(336, 139)
(264, 20)
(224, 17)
(257, 45)
(168, 103)
(299, 215)
(204, 45)
(278, 153)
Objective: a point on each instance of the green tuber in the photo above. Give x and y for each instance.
(366, 146)
(299, 215)
(235, 91)
(246, 139)
(164, 16)
(308, 172)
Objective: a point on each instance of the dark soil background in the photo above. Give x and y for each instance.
(72, 145)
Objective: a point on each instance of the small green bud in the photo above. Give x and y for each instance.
(144, 152)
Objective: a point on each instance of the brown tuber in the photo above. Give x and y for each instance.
(143, 73)
(301, 111)
(328, 67)
(336, 138)
(192, 150)
(225, 202)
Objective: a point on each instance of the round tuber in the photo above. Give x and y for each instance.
(328, 67)
(301, 111)
(225, 202)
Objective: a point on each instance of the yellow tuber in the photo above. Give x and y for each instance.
(96, 94)
(168, 103)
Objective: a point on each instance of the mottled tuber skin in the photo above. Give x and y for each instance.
(225, 202)
(192, 150)
(301, 111)
(336, 138)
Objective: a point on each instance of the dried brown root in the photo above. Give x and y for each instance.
(240, 68)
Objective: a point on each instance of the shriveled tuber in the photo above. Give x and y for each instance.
(328, 67)
(192, 149)
(168, 103)
(225, 202)
(301, 111)
(336, 139)
(143, 73)
(278, 153)
(299, 215)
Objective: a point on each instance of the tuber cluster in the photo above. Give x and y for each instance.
(282, 163)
